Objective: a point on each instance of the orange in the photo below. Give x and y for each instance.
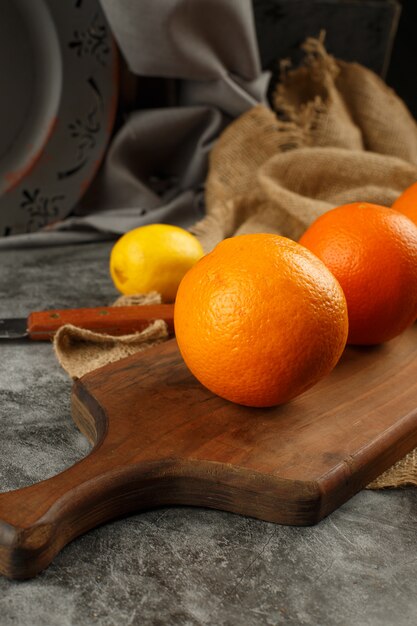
(407, 203)
(260, 319)
(372, 251)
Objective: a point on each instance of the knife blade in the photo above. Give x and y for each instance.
(118, 320)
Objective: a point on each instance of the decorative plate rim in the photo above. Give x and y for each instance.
(54, 181)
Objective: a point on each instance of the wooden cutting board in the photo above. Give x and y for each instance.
(163, 439)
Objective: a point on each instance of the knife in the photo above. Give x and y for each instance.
(117, 320)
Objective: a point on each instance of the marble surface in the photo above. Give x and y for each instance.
(180, 566)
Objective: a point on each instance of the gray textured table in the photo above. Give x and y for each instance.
(180, 565)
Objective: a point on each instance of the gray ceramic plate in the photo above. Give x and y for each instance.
(58, 97)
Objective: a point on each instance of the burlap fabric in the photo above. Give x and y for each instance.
(337, 134)
(80, 351)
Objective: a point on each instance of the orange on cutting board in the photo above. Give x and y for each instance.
(406, 203)
(260, 320)
(372, 251)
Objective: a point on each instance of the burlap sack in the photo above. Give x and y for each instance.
(337, 134)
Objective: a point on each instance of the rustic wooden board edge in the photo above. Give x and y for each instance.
(24, 552)
(354, 473)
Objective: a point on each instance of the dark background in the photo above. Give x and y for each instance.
(380, 34)
(402, 71)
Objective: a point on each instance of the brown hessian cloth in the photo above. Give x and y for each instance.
(80, 351)
(337, 134)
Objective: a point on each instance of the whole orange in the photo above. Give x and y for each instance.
(406, 203)
(372, 251)
(260, 319)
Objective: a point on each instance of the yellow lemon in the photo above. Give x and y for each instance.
(153, 258)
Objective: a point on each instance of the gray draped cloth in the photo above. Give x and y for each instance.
(156, 165)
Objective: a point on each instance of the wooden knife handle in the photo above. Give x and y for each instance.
(118, 320)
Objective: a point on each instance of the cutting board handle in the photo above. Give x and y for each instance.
(37, 521)
(115, 479)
